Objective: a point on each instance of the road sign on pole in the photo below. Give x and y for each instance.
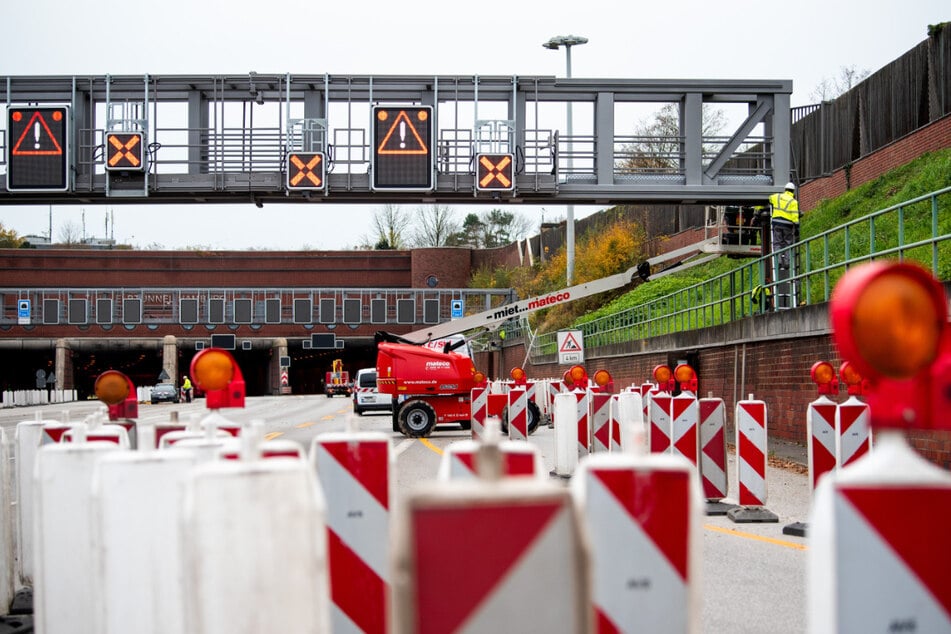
(570, 346)
(37, 148)
(402, 157)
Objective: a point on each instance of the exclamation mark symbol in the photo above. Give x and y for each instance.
(36, 135)
(402, 135)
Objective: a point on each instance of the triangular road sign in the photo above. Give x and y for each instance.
(570, 344)
(402, 138)
(37, 139)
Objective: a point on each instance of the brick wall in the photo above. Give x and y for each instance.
(934, 136)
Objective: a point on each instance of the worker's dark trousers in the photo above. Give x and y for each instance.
(783, 236)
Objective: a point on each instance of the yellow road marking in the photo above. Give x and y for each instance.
(272, 435)
(304, 425)
(760, 538)
(328, 417)
(430, 445)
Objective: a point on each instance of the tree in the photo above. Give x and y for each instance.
(829, 89)
(494, 228)
(69, 233)
(657, 144)
(389, 229)
(9, 238)
(435, 224)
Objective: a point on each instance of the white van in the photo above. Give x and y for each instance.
(366, 397)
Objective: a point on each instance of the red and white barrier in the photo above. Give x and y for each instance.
(684, 418)
(659, 422)
(645, 556)
(356, 472)
(7, 527)
(821, 431)
(615, 444)
(519, 459)
(582, 422)
(879, 554)
(228, 507)
(517, 413)
(116, 434)
(854, 437)
(138, 505)
(602, 422)
(479, 411)
(65, 578)
(713, 456)
(517, 532)
(750, 420)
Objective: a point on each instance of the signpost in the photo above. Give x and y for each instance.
(37, 148)
(402, 158)
(570, 347)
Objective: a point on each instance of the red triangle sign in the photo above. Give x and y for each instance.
(38, 132)
(458, 579)
(914, 522)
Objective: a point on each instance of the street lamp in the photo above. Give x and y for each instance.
(554, 44)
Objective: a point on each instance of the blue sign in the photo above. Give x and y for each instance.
(457, 307)
(23, 311)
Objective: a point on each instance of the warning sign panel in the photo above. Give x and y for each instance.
(570, 346)
(402, 158)
(37, 148)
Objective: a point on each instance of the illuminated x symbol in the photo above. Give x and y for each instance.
(305, 174)
(124, 151)
(497, 174)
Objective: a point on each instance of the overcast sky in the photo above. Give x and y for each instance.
(697, 39)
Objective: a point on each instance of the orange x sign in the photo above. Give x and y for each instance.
(495, 172)
(125, 150)
(305, 171)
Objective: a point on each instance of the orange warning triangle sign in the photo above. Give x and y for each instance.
(402, 138)
(38, 144)
(570, 344)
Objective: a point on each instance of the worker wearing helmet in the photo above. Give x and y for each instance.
(784, 221)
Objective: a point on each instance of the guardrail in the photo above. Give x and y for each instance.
(917, 230)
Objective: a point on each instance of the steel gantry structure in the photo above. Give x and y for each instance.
(266, 138)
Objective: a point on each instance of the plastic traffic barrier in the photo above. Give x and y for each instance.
(479, 408)
(138, 506)
(356, 472)
(659, 422)
(854, 437)
(29, 437)
(821, 431)
(684, 418)
(879, 553)
(630, 412)
(234, 560)
(520, 459)
(750, 421)
(566, 434)
(714, 476)
(65, 580)
(582, 423)
(516, 532)
(7, 526)
(645, 556)
(602, 422)
(517, 413)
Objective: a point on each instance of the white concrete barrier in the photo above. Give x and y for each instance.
(255, 552)
(29, 437)
(64, 589)
(645, 556)
(138, 505)
(516, 532)
(566, 434)
(7, 514)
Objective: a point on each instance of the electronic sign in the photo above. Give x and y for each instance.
(124, 151)
(402, 157)
(495, 172)
(37, 146)
(305, 170)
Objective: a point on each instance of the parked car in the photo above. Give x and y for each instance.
(165, 392)
(366, 397)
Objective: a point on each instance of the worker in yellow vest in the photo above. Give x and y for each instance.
(784, 223)
(187, 388)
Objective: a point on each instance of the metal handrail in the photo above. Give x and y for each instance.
(908, 231)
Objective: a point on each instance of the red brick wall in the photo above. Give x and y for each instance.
(934, 136)
(450, 265)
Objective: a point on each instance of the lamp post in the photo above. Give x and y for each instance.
(554, 44)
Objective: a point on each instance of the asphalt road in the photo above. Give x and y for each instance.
(753, 576)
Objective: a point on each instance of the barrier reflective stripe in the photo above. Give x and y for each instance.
(659, 422)
(615, 413)
(684, 416)
(478, 408)
(879, 554)
(519, 459)
(517, 414)
(356, 474)
(854, 439)
(601, 422)
(751, 452)
(581, 416)
(713, 461)
(644, 555)
(518, 531)
(821, 431)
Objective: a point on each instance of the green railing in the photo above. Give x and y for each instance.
(917, 230)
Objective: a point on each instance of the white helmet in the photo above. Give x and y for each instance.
(790, 187)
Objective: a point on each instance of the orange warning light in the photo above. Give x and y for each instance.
(578, 374)
(215, 371)
(852, 378)
(57, 115)
(686, 376)
(112, 387)
(823, 375)
(602, 378)
(382, 115)
(662, 374)
(479, 378)
(17, 116)
(422, 115)
(517, 374)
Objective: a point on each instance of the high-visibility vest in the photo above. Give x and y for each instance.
(785, 207)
